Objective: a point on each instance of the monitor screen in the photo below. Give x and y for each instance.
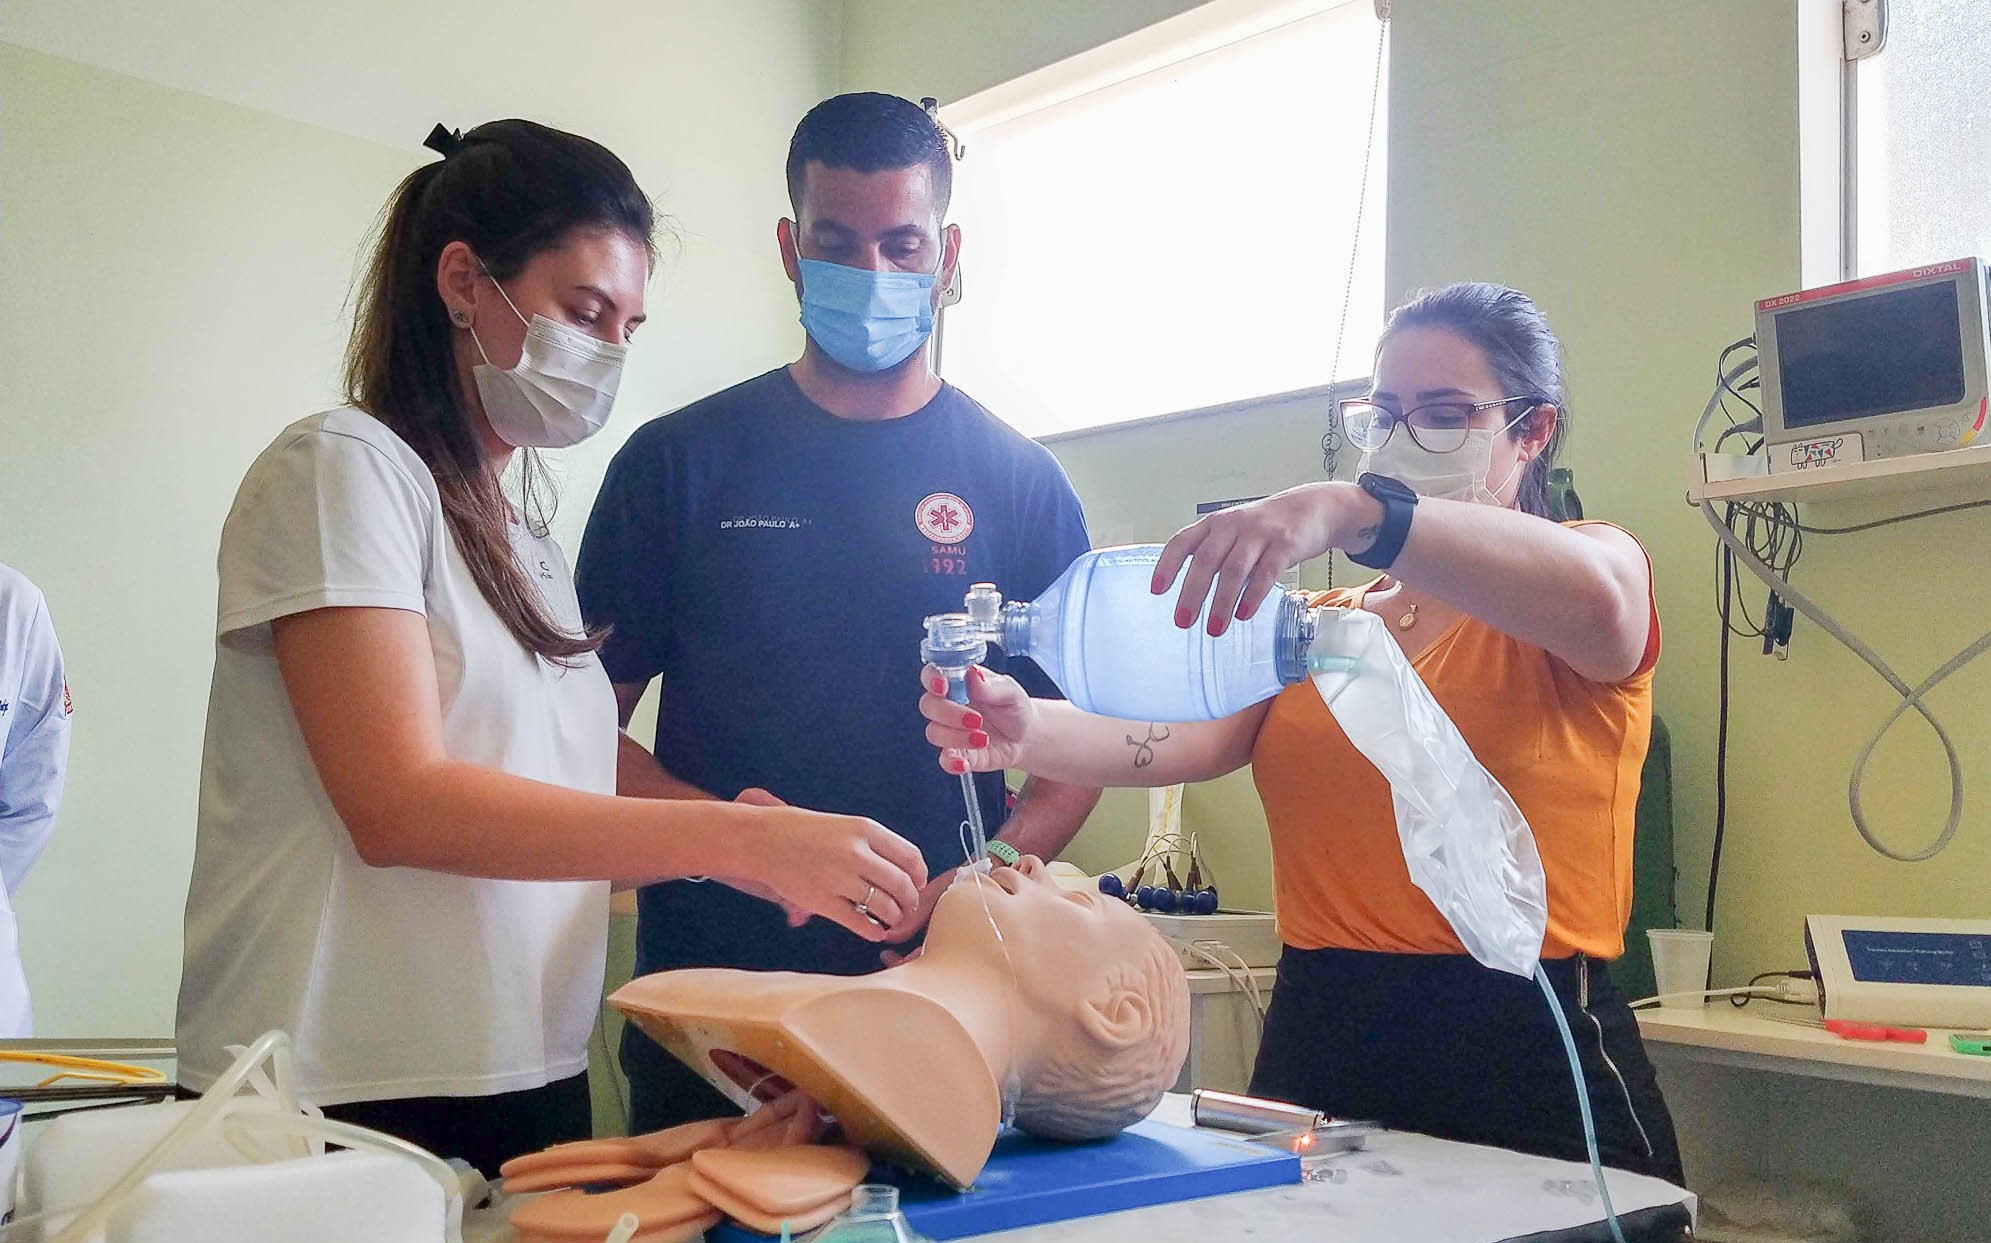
(1880, 353)
(1919, 957)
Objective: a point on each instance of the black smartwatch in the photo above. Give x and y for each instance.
(1398, 502)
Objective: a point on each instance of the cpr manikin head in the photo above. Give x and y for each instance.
(1103, 1004)
(1066, 1012)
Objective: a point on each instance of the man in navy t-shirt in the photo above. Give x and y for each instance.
(771, 551)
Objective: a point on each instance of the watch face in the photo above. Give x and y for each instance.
(1380, 486)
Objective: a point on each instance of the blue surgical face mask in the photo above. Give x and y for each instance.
(865, 320)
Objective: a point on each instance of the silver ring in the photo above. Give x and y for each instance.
(864, 908)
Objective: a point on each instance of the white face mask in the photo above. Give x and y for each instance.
(560, 393)
(1456, 476)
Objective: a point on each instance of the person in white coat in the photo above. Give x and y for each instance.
(34, 756)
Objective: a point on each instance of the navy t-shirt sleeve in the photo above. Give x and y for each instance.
(625, 564)
(1054, 522)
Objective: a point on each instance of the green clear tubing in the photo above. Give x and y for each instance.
(1582, 1102)
(978, 838)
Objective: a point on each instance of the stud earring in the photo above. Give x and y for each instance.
(460, 317)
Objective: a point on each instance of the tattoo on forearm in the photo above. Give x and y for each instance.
(1367, 535)
(1144, 748)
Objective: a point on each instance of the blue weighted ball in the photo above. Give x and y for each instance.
(1144, 897)
(1166, 900)
(1112, 886)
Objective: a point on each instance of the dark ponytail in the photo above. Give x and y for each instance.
(1524, 353)
(509, 190)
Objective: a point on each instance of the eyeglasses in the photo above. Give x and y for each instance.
(1439, 427)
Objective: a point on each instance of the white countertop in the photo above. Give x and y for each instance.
(1751, 1037)
(1402, 1188)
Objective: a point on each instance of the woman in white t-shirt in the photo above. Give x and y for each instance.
(407, 804)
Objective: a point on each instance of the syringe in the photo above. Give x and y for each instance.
(952, 645)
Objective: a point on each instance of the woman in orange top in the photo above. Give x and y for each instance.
(1538, 638)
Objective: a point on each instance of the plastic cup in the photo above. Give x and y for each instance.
(1680, 966)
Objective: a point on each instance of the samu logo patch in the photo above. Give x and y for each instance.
(944, 518)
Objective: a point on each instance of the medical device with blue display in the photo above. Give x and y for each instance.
(1924, 972)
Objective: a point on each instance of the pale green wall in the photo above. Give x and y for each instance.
(954, 48)
(1639, 179)
(1633, 165)
(176, 269)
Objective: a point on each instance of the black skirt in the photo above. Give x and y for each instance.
(1440, 1045)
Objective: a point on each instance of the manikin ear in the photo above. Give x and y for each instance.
(1118, 1017)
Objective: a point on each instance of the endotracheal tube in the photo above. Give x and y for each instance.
(951, 646)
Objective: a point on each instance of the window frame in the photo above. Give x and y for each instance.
(1861, 33)
(1211, 26)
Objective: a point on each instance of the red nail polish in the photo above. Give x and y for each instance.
(956, 766)
(978, 740)
(972, 720)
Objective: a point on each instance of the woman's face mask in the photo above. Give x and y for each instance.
(561, 391)
(1449, 387)
(1460, 475)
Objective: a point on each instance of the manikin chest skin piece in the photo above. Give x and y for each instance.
(1068, 1005)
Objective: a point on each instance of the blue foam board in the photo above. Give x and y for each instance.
(1029, 1182)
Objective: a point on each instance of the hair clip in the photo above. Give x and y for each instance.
(444, 142)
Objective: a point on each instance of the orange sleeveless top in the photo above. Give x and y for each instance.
(1568, 750)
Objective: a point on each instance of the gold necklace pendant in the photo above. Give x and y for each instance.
(1408, 620)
